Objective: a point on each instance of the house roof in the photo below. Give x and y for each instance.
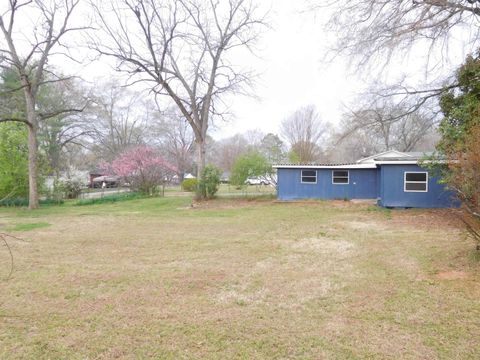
(385, 154)
(371, 162)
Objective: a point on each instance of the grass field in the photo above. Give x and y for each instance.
(158, 278)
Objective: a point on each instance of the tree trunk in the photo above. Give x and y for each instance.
(32, 150)
(200, 144)
(32, 168)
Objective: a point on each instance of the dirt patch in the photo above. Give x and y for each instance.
(323, 245)
(452, 275)
(364, 225)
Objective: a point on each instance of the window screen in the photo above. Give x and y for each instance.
(416, 181)
(340, 176)
(309, 176)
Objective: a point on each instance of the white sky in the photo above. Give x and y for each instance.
(293, 74)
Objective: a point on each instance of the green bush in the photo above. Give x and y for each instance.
(70, 189)
(189, 184)
(109, 199)
(209, 182)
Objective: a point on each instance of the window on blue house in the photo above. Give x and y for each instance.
(340, 176)
(416, 181)
(309, 176)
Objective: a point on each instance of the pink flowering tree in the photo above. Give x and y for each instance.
(144, 169)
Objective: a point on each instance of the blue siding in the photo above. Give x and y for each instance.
(392, 192)
(362, 185)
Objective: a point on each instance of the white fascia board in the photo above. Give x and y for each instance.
(354, 166)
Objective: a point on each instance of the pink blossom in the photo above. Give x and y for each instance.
(143, 168)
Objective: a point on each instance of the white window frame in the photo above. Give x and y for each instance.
(415, 182)
(308, 182)
(348, 177)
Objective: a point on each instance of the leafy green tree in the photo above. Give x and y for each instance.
(54, 132)
(460, 130)
(251, 165)
(461, 107)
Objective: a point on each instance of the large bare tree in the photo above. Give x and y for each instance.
(28, 55)
(369, 31)
(184, 48)
(375, 33)
(304, 130)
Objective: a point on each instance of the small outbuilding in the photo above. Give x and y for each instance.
(393, 178)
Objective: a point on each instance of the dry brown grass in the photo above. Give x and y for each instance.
(239, 279)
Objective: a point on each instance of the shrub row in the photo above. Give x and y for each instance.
(19, 202)
(109, 199)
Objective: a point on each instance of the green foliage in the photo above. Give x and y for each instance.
(460, 129)
(109, 199)
(249, 165)
(13, 160)
(189, 185)
(461, 107)
(293, 157)
(12, 100)
(209, 182)
(14, 140)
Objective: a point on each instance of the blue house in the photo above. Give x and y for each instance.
(393, 178)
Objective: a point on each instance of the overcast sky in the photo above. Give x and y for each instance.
(293, 73)
(288, 59)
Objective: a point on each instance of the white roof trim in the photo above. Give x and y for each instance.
(397, 154)
(353, 166)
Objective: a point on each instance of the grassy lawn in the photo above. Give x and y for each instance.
(158, 278)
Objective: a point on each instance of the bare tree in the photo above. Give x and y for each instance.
(180, 47)
(175, 138)
(379, 126)
(58, 132)
(304, 130)
(119, 119)
(372, 30)
(229, 149)
(30, 65)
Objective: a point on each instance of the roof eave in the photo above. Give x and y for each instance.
(353, 166)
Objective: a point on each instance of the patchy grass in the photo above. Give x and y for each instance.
(28, 226)
(165, 278)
